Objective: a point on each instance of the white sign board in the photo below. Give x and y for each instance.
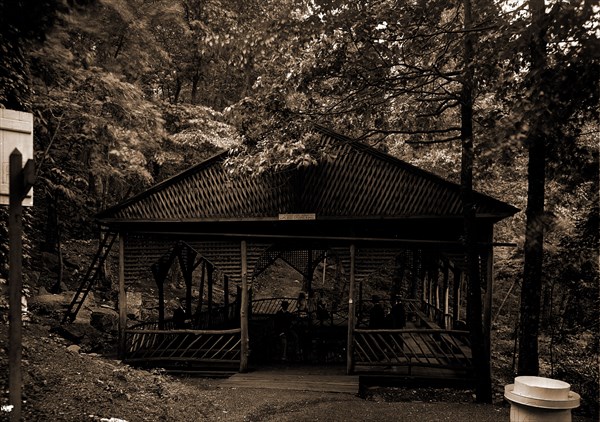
(16, 131)
(297, 217)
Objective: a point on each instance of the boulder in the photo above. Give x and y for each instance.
(105, 320)
(134, 305)
(47, 303)
(75, 333)
(74, 348)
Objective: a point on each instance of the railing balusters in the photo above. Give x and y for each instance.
(434, 348)
(148, 344)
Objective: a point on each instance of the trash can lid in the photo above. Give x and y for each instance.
(571, 401)
(542, 388)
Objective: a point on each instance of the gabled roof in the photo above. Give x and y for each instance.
(359, 183)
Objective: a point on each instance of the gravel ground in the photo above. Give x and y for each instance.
(284, 405)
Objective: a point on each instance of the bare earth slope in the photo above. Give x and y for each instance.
(62, 384)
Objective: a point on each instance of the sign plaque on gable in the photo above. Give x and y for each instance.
(16, 131)
(297, 217)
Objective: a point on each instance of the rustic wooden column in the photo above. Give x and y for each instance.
(488, 258)
(159, 276)
(360, 299)
(187, 269)
(398, 275)
(429, 292)
(414, 276)
(424, 293)
(209, 272)
(446, 296)
(436, 294)
(20, 182)
(351, 315)
(456, 280)
(245, 343)
(201, 292)
(324, 268)
(308, 276)
(122, 298)
(226, 295)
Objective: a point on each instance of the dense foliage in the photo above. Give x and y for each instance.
(127, 93)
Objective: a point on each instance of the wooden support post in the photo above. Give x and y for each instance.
(446, 286)
(360, 299)
(414, 275)
(187, 270)
(488, 259)
(351, 314)
(188, 295)
(158, 271)
(456, 282)
(238, 302)
(122, 298)
(226, 295)
(436, 295)
(308, 276)
(324, 269)
(424, 293)
(209, 272)
(20, 182)
(429, 292)
(201, 293)
(398, 275)
(245, 342)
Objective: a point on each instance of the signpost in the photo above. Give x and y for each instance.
(16, 135)
(16, 131)
(297, 217)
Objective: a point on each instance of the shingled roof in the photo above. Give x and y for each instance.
(360, 183)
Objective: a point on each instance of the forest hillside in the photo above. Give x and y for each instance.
(492, 94)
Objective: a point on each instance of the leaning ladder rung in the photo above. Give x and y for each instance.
(87, 282)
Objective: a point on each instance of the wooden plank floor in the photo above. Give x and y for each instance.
(298, 379)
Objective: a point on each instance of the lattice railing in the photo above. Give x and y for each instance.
(193, 346)
(219, 317)
(413, 347)
(270, 306)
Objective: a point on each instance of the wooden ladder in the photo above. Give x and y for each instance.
(107, 239)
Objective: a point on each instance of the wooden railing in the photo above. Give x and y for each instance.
(219, 317)
(271, 305)
(154, 325)
(437, 315)
(144, 343)
(410, 348)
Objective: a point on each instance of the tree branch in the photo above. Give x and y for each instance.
(434, 141)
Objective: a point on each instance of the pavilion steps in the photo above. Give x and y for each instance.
(298, 378)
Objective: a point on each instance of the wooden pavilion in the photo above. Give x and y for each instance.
(364, 208)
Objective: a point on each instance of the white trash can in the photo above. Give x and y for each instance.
(534, 399)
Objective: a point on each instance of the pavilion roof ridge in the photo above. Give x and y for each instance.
(366, 148)
(219, 156)
(362, 184)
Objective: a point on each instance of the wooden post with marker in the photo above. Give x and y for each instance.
(20, 180)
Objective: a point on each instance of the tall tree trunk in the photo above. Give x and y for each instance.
(177, 89)
(536, 177)
(195, 82)
(398, 275)
(483, 387)
(57, 287)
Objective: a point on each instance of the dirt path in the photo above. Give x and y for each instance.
(243, 404)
